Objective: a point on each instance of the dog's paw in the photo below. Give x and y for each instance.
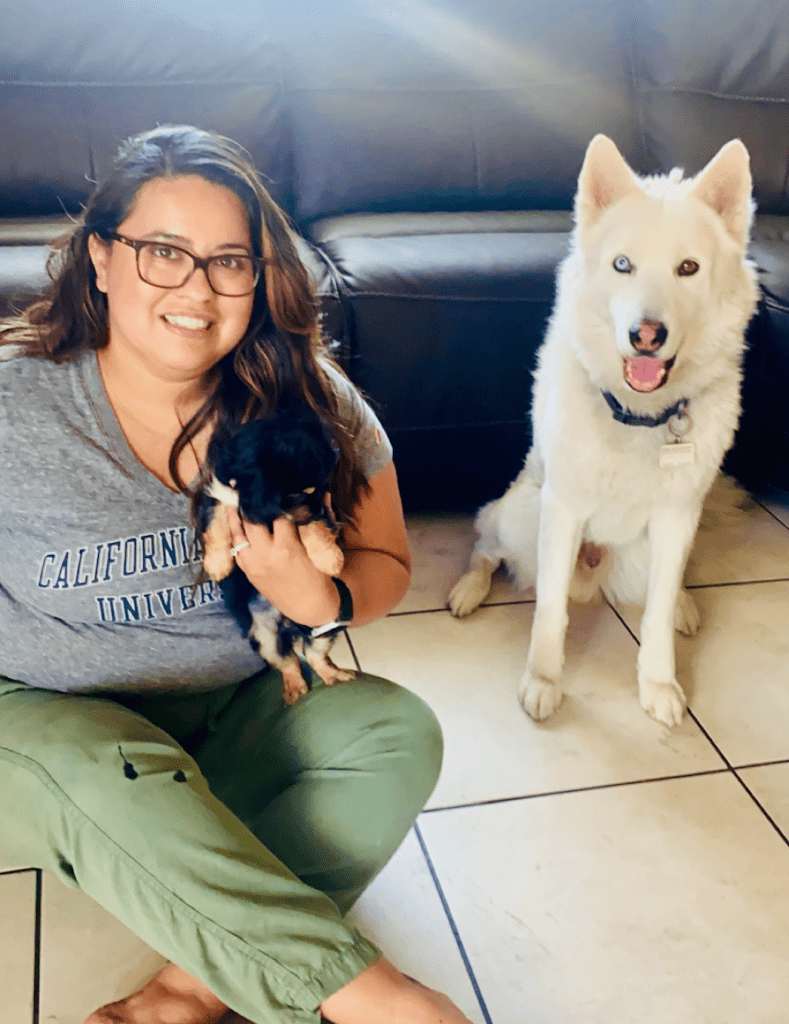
(665, 702)
(468, 593)
(294, 686)
(293, 691)
(321, 546)
(539, 697)
(331, 674)
(686, 615)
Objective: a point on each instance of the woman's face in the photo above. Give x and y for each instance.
(176, 334)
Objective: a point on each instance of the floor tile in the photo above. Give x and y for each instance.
(440, 550)
(402, 913)
(17, 946)
(755, 546)
(646, 904)
(88, 957)
(735, 672)
(777, 502)
(468, 671)
(770, 785)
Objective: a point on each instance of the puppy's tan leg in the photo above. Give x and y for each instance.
(321, 546)
(316, 653)
(217, 542)
(264, 633)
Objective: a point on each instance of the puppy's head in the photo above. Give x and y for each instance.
(281, 465)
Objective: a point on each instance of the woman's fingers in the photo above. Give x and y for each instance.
(238, 537)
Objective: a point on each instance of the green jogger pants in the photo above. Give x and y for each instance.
(231, 833)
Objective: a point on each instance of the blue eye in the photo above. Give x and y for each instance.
(622, 265)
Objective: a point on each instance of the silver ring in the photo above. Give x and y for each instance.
(239, 547)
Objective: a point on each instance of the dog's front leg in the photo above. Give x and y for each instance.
(540, 690)
(671, 534)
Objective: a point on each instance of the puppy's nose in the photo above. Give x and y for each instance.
(648, 335)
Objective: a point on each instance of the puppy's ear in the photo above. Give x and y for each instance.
(605, 178)
(725, 185)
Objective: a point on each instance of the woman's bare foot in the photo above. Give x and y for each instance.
(171, 997)
(381, 994)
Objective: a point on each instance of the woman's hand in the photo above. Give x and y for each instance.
(278, 567)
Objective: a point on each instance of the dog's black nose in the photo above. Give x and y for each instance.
(647, 336)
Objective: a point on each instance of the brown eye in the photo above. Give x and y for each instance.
(687, 268)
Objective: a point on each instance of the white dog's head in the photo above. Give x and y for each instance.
(663, 289)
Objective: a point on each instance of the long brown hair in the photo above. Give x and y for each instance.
(279, 357)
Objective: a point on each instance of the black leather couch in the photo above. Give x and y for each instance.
(428, 152)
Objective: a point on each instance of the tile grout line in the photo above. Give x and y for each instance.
(770, 512)
(445, 608)
(579, 789)
(736, 583)
(741, 781)
(530, 600)
(761, 807)
(453, 926)
(37, 948)
(445, 905)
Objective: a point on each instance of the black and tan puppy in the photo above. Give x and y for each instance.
(279, 466)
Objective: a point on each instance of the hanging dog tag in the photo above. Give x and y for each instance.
(679, 453)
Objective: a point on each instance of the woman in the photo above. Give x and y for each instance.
(144, 757)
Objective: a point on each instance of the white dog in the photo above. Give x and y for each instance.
(636, 400)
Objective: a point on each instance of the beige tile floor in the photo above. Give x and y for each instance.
(596, 869)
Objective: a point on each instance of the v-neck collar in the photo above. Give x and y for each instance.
(93, 383)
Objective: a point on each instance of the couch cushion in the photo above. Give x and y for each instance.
(450, 106)
(472, 305)
(707, 73)
(98, 73)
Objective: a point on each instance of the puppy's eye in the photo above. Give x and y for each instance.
(687, 268)
(622, 265)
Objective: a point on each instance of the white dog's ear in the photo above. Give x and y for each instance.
(725, 185)
(605, 178)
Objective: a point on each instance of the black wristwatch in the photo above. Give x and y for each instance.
(344, 616)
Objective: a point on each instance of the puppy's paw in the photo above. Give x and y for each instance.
(686, 615)
(321, 546)
(329, 672)
(294, 685)
(294, 690)
(468, 593)
(539, 697)
(665, 702)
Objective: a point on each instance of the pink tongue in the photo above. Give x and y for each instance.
(643, 373)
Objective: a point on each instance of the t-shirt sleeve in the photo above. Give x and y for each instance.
(374, 447)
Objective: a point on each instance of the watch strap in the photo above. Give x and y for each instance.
(344, 615)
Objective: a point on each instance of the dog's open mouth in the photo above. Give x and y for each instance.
(645, 373)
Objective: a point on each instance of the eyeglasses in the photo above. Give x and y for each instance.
(169, 266)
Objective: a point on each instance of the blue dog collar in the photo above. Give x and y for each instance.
(632, 419)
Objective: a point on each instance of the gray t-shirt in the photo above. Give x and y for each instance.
(97, 566)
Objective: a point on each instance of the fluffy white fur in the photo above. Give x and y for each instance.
(593, 510)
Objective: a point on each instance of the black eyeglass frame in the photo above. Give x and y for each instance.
(198, 263)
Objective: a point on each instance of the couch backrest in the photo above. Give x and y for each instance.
(76, 79)
(389, 105)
